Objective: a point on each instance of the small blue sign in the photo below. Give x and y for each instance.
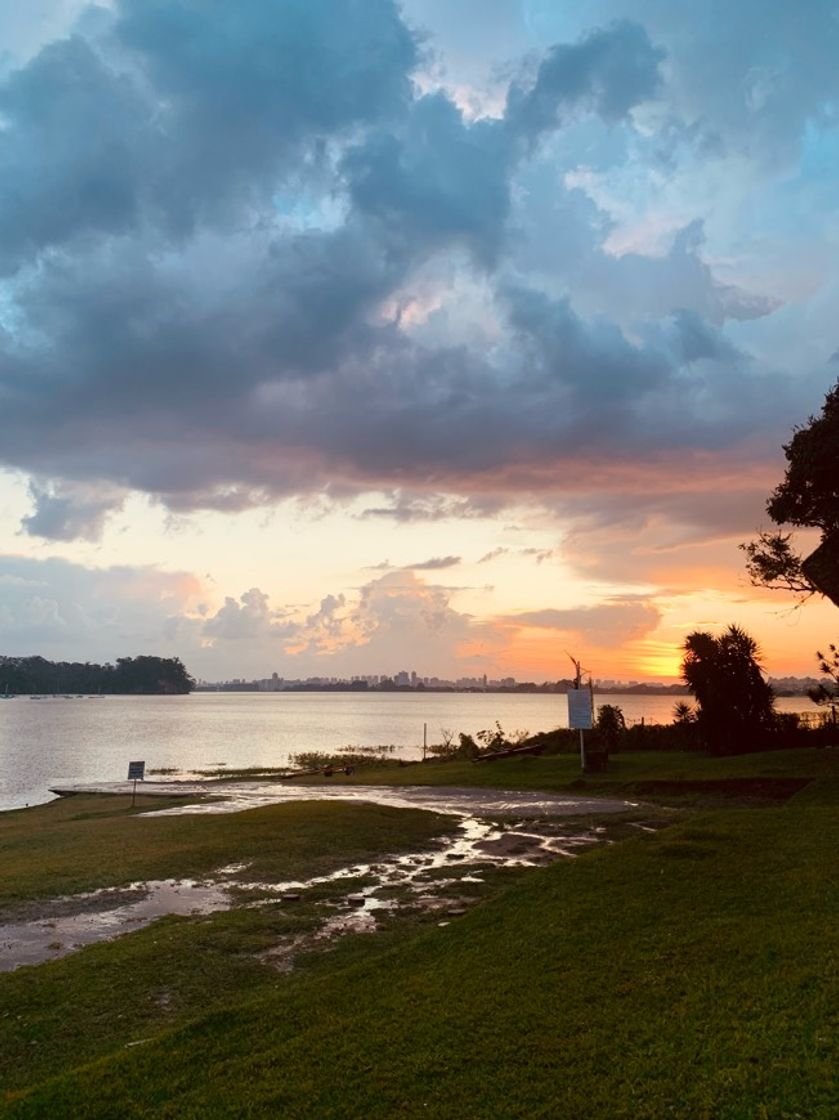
(136, 771)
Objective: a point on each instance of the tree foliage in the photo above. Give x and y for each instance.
(771, 561)
(827, 693)
(808, 497)
(809, 494)
(138, 675)
(734, 704)
(610, 725)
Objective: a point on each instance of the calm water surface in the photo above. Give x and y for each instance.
(57, 741)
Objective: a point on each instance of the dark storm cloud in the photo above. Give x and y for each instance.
(178, 114)
(64, 512)
(745, 77)
(697, 339)
(74, 138)
(611, 71)
(582, 357)
(207, 216)
(443, 179)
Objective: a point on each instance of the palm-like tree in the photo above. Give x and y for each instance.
(735, 704)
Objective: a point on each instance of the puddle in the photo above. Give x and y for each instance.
(233, 797)
(95, 918)
(497, 829)
(478, 845)
(65, 924)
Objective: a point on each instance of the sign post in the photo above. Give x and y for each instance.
(580, 717)
(580, 709)
(136, 773)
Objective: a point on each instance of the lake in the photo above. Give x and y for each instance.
(60, 741)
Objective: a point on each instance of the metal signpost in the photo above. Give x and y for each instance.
(136, 773)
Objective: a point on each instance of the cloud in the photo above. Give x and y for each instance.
(68, 611)
(66, 511)
(248, 619)
(411, 507)
(750, 76)
(126, 334)
(612, 70)
(493, 554)
(611, 623)
(399, 616)
(209, 215)
(325, 629)
(442, 179)
(434, 564)
(178, 115)
(539, 554)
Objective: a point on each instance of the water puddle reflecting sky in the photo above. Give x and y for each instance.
(233, 797)
(497, 828)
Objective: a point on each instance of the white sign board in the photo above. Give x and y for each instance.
(580, 715)
(136, 771)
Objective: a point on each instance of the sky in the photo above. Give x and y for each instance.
(347, 336)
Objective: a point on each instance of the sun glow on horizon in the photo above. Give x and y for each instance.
(658, 660)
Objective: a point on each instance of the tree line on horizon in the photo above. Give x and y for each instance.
(142, 675)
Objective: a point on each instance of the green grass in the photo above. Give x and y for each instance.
(84, 842)
(688, 974)
(561, 772)
(107, 996)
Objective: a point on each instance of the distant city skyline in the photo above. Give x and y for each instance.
(410, 679)
(332, 333)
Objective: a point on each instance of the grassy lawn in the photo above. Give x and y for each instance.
(88, 841)
(561, 772)
(687, 974)
(107, 996)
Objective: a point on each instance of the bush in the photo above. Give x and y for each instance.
(610, 727)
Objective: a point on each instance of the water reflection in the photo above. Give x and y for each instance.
(415, 880)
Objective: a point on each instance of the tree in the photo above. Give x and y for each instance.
(611, 725)
(808, 497)
(685, 724)
(735, 705)
(683, 714)
(143, 674)
(827, 693)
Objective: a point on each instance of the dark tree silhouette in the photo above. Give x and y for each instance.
(144, 674)
(610, 725)
(827, 693)
(808, 497)
(735, 705)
